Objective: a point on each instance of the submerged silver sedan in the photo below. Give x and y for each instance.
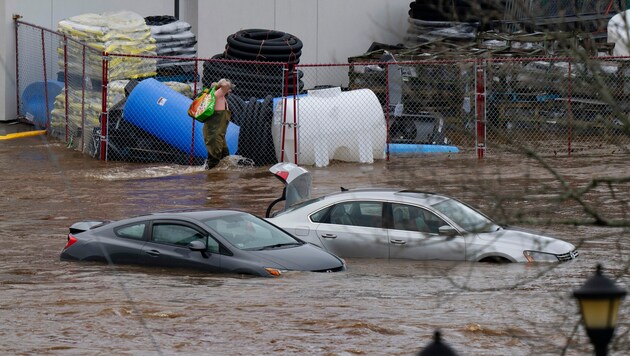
(405, 224)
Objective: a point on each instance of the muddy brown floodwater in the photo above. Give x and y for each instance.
(377, 307)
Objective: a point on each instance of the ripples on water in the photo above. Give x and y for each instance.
(376, 307)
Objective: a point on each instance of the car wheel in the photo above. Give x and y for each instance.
(495, 259)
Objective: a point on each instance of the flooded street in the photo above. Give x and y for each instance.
(376, 307)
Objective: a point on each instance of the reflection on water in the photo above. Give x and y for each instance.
(376, 307)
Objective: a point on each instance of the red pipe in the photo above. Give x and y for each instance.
(610, 4)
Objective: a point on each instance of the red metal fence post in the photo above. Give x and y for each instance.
(65, 79)
(105, 68)
(284, 113)
(387, 111)
(45, 80)
(16, 21)
(192, 139)
(296, 144)
(570, 111)
(480, 79)
(82, 99)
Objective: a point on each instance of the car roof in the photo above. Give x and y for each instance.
(419, 196)
(195, 214)
(198, 215)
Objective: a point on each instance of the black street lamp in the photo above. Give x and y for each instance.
(437, 347)
(599, 300)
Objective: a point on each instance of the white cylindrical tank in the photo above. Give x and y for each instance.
(618, 33)
(331, 124)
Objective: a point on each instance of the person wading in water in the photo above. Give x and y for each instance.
(215, 127)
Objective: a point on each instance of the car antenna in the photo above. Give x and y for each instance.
(344, 189)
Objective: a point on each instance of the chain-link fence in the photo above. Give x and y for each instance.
(59, 85)
(372, 110)
(558, 105)
(133, 106)
(148, 120)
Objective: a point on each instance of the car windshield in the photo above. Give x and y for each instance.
(466, 217)
(248, 232)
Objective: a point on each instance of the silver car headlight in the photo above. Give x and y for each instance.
(537, 256)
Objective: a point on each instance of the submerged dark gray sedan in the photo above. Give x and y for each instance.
(212, 240)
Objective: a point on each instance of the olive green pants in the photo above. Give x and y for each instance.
(214, 130)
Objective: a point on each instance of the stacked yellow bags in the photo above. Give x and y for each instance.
(120, 32)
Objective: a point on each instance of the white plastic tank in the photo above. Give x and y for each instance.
(331, 124)
(618, 33)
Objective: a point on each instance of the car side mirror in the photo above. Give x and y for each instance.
(447, 230)
(197, 245)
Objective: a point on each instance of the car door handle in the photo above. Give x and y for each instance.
(154, 253)
(398, 242)
(329, 236)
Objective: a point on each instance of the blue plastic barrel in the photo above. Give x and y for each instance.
(231, 137)
(34, 100)
(163, 112)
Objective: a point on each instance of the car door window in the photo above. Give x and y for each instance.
(413, 218)
(367, 214)
(135, 231)
(174, 234)
(213, 245)
(340, 215)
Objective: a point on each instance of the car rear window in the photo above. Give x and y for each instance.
(299, 205)
(135, 231)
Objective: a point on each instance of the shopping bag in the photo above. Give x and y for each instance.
(203, 106)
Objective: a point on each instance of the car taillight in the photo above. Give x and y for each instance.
(71, 240)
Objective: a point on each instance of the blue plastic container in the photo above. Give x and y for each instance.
(163, 112)
(408, 148)
(34, 100)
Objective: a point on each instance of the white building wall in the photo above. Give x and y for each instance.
(331, 30)
(4, 66)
